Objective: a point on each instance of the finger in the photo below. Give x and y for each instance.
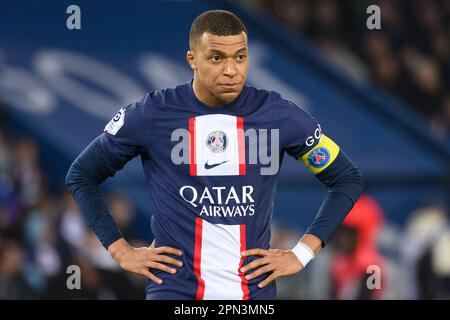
(255, 252)
(151, 276)
(259, 272)
(268, 280)
(160, 266)
(169, 250)
(167, 260)
(254, 264)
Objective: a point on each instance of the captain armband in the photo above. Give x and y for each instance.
(321, 156)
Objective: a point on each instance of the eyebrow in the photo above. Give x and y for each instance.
(224, 53)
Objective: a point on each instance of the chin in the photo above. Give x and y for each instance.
(229, 96)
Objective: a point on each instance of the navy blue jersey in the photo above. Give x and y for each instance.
(210, 180)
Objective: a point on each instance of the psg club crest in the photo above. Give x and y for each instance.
(217, 141)
(319, 157)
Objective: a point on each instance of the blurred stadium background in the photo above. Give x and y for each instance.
(383, 95)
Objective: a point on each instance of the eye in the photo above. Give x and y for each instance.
(241, 57)
(215, 58)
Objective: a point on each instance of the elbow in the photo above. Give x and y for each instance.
(344, 176)
(79, 176)
(76, 176)
(353, 184)
(88, 169)
(71, 178)
(362, 182)
(358, 178)
(358, 181)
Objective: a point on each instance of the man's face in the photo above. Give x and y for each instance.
(221, 65)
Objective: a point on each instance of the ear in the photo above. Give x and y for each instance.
(191, 59)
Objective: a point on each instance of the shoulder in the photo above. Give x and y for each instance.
(131, 116)
(289, 108)
(281, 108)
(262, 96)
(168, 96)
(151, 102)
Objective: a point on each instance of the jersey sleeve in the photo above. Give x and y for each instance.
(330, 165)
(126, 135)
(307, 142)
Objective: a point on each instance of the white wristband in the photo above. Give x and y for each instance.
(303, 253)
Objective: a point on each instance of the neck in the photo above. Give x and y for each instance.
(204, 95)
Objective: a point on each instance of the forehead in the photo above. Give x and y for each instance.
(209, 42)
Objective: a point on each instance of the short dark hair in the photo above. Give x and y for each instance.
(216, 22)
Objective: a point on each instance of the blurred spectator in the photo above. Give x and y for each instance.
(425, 254)
(355, 250)
(409, 56)
(13, 283)
(72, 227)
(339, 55)
(9, 208)
(123, 211)
(27, 172)
(41, 234)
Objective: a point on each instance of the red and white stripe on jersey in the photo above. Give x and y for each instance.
(218, 260)
(227, 162)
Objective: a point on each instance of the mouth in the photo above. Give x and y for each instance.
(230, 85)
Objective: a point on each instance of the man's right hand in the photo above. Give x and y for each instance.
(140, 260)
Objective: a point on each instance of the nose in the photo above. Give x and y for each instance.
(230, 69)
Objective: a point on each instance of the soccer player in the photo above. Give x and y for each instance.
(213, 197)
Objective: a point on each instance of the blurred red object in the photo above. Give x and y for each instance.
(357, 250)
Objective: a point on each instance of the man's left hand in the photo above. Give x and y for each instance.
(279, 262)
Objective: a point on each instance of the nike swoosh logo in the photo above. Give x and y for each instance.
(210, 166)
